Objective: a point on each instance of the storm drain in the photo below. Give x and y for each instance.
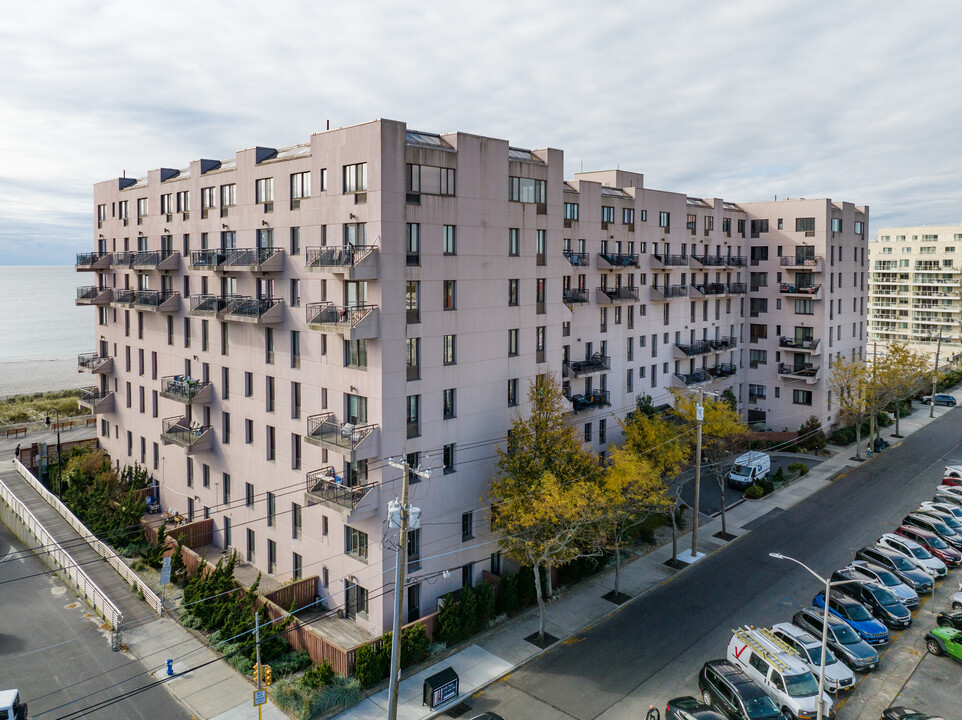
(458, 710)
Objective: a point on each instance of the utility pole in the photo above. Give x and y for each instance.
(257, 638)
(403, 516)
(873, 395)
(935, 375)
(700, 417)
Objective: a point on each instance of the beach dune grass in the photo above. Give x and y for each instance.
(36, 406)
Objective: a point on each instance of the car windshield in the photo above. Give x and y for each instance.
(943, 529)
(901, 563)
(920, 553)
(760, 706)
(803, 685)
(858, 613)
(887, 578)
(845, 635)
(951, 521)
(938, 543)
(815, 655)
(742, 470)
(886, 598)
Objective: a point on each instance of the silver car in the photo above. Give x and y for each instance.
(879, 575)
(838, 676)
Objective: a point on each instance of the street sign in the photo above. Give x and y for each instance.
(165, 572)
(260, 697)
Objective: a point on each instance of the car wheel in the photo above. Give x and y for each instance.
(706, 696)
(933, 647)
(944, 622)
(957, 606)
(788, 714)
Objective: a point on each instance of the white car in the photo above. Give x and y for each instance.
(942, 507)
(838, 675)
(957, 598)
(951, 490)
(917, 555)
(887, 579)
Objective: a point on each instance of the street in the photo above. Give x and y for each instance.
(653, 648)
(52, 650)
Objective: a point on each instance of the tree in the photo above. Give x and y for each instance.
(722, 436)
(630, 490)
(810, 435)
(544, 496)
(849, 384)
(904, 372)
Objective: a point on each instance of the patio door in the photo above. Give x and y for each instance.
(355, 294)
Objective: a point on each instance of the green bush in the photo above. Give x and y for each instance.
(754, 492)
(799, 468)
(372, 662)
(318, 675)
(292, 661)
(508, 602)
(811, 435)
(414, 644)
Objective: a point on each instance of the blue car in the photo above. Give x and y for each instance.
(856, 615)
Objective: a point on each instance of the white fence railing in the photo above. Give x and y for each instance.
(102, 548)
(61, 558)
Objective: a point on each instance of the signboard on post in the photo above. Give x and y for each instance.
(165, 572)
(440, 688)
(260, 697)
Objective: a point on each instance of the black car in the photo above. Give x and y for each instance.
(842, 639)
(726, 688)
(688, 708)
(879, 601)
(487, 716)
(950, 619)
(900, 566)
(904, 713)
(940, 399)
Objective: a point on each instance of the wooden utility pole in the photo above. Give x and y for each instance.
(699, 417)
(935, 374)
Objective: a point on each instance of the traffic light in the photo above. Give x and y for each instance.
(256, 672)
(267, 675)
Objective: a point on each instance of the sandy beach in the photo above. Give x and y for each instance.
(19, 377)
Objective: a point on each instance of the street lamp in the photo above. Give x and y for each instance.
(47, 423)
(828, 589)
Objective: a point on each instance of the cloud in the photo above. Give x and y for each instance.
(743, 100)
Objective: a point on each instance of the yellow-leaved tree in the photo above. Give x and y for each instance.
(849, 383)
(905, 372)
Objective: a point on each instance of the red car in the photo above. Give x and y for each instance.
(933, 543)
(952, 481)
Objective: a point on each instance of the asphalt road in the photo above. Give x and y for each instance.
(653, 648)
(52, 650)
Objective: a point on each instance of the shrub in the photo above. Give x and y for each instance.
(799, 468)
(318, 675)
(767, 484)
(292, 661)
(415, 643)
(373, 662)
(754, 492)
(811, 435)
(507, 601)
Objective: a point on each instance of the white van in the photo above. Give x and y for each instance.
(10, 706)
(782, 674)
(749, 469)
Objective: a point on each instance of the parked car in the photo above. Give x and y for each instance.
(781, 673)
(918, 555)
(956, 598)
(953, 471)
(943, 506)
(951, 493)
(904, 713)
(842, 639)
(933, 543)
(940, 399)
(952, 481)
(838, 675)
(878, 600)
(937, 526)
(944, 641)
(11, 707)
(495, 716)
(855, 614)
(950, 619)
(726, 688)
(748, 469)
(880, 576)
(903, 568)
(946, 517)
(688, 708)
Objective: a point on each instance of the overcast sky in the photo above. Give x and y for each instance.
(857, 101)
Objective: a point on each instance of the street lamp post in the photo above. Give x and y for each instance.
(828, 588)
(47, 423)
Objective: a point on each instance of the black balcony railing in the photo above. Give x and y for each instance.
(90, 292)
(336, 255)
(122, 259)
(723, 370)
(326, 486)
(808, 344)
(699, 347)
(799, 260)
(595, 363)
(579, 259)
(709, 260)
(151, 258)
(181, 388)
(671, 291)
(794, 289)
(91, 396)
(326, 313)
(249, 307)
(178, 431)
(594, 399)
(86, 260)
(699, 376)
(91, 361)
(207, 258)
(621, 259)
(620, 293)
(249, 257)
(672, 260)
(738, 288)
(124, 297)
(153, 298)
(575, 295)
(799, 369)
(736, 261)
(210, 304)
(724, 343)
(326, 428)
(712, 288)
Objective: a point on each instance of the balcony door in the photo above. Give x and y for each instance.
(228, 286)
(803, 253)
(804, 334)
(355, 409)
(355, 294)
(802, 361)
(265, 288)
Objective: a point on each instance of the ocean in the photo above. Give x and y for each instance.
(41, 329)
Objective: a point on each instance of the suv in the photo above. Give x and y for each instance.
(844, 642)
(933, 543)
(946, 517)
(878, 600)
(900, 566)
(951, 490)
(10, 706)
(940, 399)
(940, 505)
(918, 555)
(927, 522)
(838, 675)
(728, 689)
(880, 576)
(945, 641)
(779, 671)
(856, 615)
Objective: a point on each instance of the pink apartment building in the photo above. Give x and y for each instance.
(272, 329)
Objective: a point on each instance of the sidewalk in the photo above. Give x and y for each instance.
(502, 649)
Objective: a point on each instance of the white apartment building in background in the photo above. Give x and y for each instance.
(273, 328)
(915, 286)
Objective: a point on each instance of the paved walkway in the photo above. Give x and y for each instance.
(503, 648)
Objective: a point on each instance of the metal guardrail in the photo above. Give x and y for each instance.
(100, 547)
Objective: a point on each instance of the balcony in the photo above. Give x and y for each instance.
(207, 259)
(723, 370)
(355, 262)
(699, 347)
(669, 261)
(808, 262)
(122, 260)
(92, 261)
(192, 437)
(800, 371)
(96, 400)
(575, 295)
(618, 260)
(95, 363)
(156, 260)
(813, 292)
(806, 345)
(707, 290)
(590, 401)
(123, 298)
(616, 294)
(208, 305)
(737, 288)
(578, 259)
(579, 368)
(353, 322)
(91, 295)
(737, 261)
(157, 300)
(266, 259)
(354, 442)
(667, 292)
(259, 311)
(724, 343)
(687, 380)
(326, 487)
(185, 389)
(706, 261)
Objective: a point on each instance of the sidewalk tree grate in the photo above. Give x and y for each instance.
(458, 710)
(542, 642)
(619, 598)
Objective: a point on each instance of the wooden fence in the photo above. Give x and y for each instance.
(773, 437)
(297, 594)
(194, 535)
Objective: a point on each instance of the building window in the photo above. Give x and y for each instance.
(571, 211)
(270, 443)
(448, 350)
(804, 307)
(587, 432)
(355, 178)
(526, 190)
(248, 495)
(355, 542)
(627, 216)
(412, 299)
(607, 214)
(269, 392)
(413, 352)
(355, 353)
(514, 242)
(430, 180)
(413, 244)
(447, 458)
(540, 296)
(540, 244)
(512, 392)
(248, 384)
(300, 186)
(802, 397)
(450, 409)
(602, 430)
(448, 240)
(449, 301)
(249, 431)
(805, 224)
(836, 224)
(250, 545)
(859, 227)
(228, 195)
(512, 342)
(467, 526)
(264, 190)
(271, 509)
(664, 219)
(513, 293)
(298, 567)
(539, 343)
(413, 415)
